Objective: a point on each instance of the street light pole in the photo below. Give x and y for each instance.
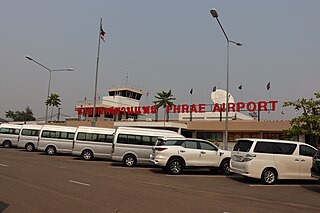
(215, 15)
(49, 86)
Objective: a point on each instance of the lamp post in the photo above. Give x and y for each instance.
(50, 71)
(215, 15)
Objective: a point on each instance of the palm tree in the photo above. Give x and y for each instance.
(53, 101)
(164, 99)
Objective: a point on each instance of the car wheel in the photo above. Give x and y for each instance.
(269, 176)
(30, 147)
(51, 150)
(175, 166)
(6, 144)
(87, 155)
(225, 167)
(129, 160)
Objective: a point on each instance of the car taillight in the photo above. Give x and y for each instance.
(248, 157)
(112, 149)
(160, 149)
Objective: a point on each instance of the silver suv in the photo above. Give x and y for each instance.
(175, 154)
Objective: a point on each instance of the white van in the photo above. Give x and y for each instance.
(133, 145)
(28, 137)
(270, 160)
(93, 142)
(9, 134)
(56, 139)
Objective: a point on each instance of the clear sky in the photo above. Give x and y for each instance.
(162, 45)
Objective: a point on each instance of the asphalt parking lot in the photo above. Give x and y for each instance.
(36, 182)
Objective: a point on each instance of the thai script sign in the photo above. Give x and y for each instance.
(184, 108)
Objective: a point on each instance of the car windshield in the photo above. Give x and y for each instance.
(243, 145)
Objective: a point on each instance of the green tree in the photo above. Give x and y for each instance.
(53, 101)
(26, 115)
(308, 122)
(164, 99)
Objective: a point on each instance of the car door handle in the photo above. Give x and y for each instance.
(296, 159)
(303, 160)
(182, 151)
(202, 152)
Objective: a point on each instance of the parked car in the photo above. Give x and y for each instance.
(270, 160)
(315, 169)
(93, 142)
(28, 137)
(175, 154)
(9, 134)
(56, 139)
(132, 145)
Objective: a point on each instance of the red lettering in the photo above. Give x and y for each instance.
(202, 108)
(99, 111)
(130, 110)
(231, 106)
(109, 111)
(123, 110)
(193, 108)
(216, 108)
(146, 109)
(176, 108)
(185, 108)
(262, 106)
(240, 105)
(90, 111)
(154, 110)
(251, 106)
(117, 111)
(79, 110)
(137, 110)
(273, 105)
(168, 109)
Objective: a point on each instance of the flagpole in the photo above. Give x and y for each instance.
(191, 104)
(93, 123)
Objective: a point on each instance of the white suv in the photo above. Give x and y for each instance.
(175, 154)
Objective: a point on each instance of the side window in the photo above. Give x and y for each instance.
(35, 132)
(191, 145)
(207, 146)
(4, 130)
(153, 140)
(146, 140)
(81, 136)
(26, 132)
(45, 134)
(122, 138)
(275, 148)
(307, 151)
(285, 148)
(16, 131)
(63, 135)
(109, 138)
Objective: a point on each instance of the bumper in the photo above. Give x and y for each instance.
(245, 169)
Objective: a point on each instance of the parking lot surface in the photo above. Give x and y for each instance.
(36, 182)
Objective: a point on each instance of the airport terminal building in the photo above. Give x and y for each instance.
(122, 108)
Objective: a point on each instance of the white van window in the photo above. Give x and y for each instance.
(10, 131)
(243, 145)
(275, 148)
(137, 139)
(30, 132)
(82, 136)
(57, 134)
(307, 151)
